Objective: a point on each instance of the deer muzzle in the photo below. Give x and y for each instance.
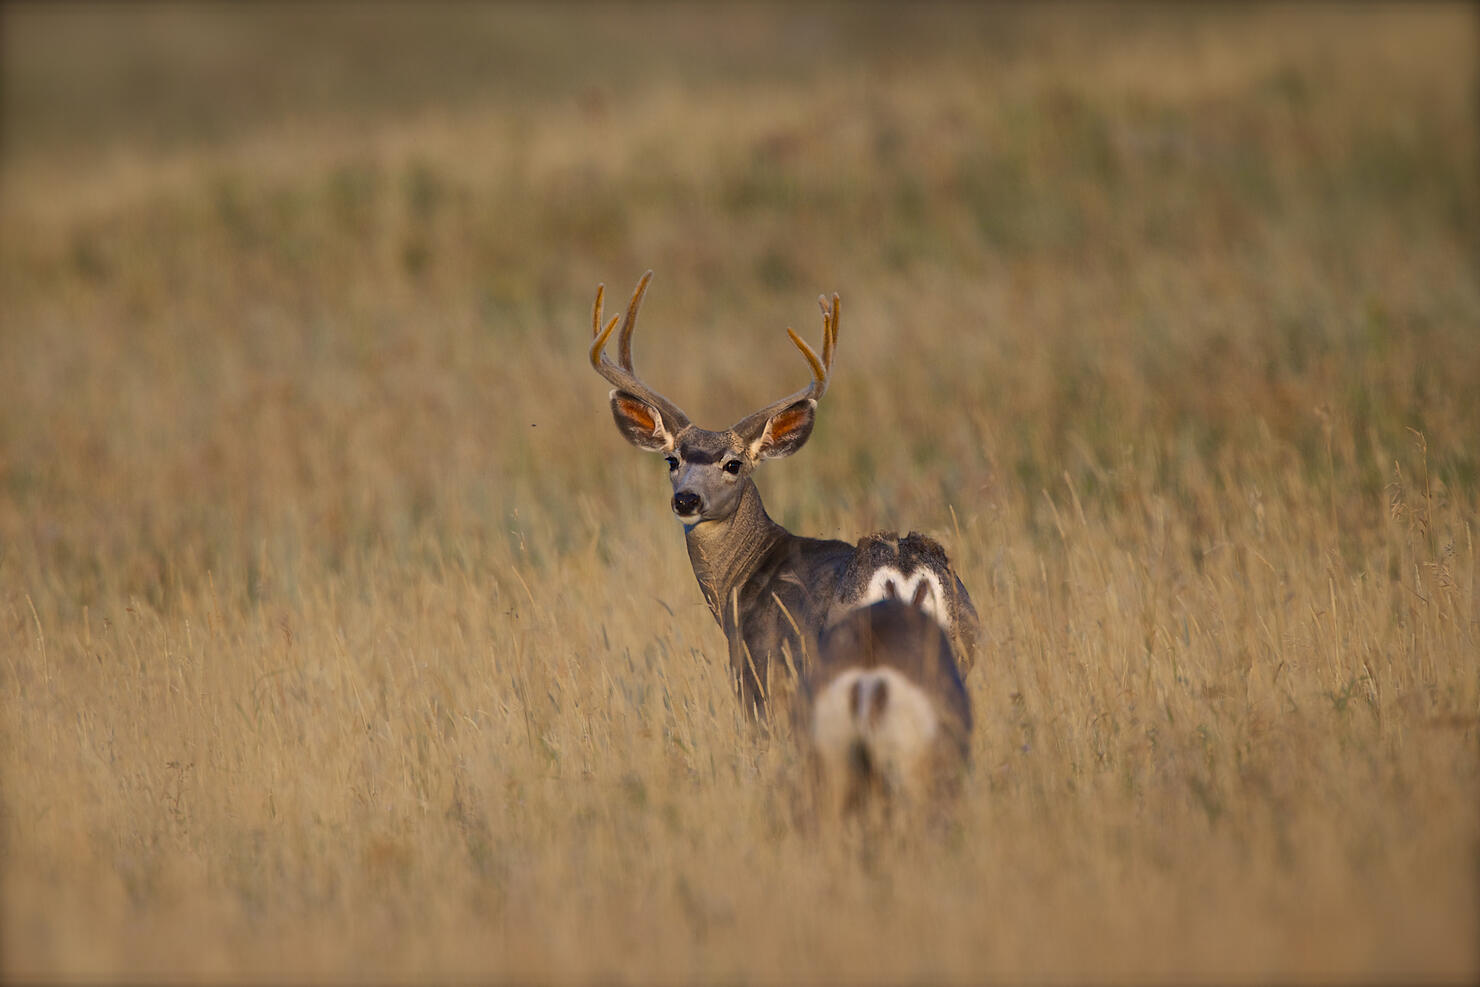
(686, 504)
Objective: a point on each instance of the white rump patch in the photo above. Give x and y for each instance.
(896, 725)
(888, 583)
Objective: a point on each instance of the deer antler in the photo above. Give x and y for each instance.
(821, 368)
(620, 374)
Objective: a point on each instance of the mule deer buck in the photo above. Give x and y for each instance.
(883, 709)
(771, 592)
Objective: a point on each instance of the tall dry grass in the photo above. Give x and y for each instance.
(343, 636)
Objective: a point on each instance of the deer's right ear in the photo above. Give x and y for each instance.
(640, 423)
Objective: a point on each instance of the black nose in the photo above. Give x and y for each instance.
(685, 503)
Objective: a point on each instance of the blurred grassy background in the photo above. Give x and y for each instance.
(345, 637)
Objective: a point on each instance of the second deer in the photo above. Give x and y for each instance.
(884, 712)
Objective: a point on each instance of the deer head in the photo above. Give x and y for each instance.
(709, 470)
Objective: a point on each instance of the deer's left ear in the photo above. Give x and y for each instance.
(786, 431)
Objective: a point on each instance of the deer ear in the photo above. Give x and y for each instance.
(786, 431)
(640, 423)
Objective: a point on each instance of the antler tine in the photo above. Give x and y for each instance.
(621, 374)
(629, 324)
(821, 367)
(599, 336)
(829, 327)
(596, 313)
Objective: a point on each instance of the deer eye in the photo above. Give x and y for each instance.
(672, 462)
(732, 467)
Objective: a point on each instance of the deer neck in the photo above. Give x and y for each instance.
(727, 552)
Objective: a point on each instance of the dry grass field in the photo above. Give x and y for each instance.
(342, 636)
